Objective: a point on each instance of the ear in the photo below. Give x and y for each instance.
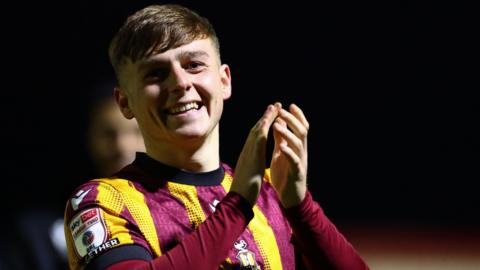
(122, 101)
(226, 80)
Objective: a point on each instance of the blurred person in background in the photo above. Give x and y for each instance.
(111, 141)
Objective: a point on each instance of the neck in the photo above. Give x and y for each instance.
(191, 156)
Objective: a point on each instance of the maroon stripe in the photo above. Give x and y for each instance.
(207, 195)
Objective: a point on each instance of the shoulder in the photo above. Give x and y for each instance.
(96, 216)
(104, 192)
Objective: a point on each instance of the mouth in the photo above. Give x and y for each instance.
(183, 108)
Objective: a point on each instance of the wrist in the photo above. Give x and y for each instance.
(293, 198)
(249, 193)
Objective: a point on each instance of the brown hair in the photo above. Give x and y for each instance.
(156, 29)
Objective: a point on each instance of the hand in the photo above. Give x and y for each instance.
(289, 163)
(251, 162)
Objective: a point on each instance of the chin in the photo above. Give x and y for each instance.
(192, 136)
(193, 133)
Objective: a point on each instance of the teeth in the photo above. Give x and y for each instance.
(183, 108)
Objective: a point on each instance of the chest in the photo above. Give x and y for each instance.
(179, 209)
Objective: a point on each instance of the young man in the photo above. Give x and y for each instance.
(177, 206)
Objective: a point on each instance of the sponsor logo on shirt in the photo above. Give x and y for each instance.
(88, 231)
(88, 215)
(213, 205)
(102, 248)
(78, 198)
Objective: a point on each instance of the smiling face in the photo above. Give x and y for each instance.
(176, 96)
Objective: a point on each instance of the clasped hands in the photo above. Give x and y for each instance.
(288, 167)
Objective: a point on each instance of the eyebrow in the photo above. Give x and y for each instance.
(192, 54)
(181, 55)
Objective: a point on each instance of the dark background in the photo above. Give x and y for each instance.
(389, 91)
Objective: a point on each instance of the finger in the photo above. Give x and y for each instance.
(278, 105)
(276, 136)
(264, 123)
(287, 136)
(292, 157)
(294, 124)
(281, 122)
(269, 116)
(298, 113)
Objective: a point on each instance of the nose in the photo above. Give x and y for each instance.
(179, 79)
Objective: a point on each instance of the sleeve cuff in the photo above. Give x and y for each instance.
(303, 210)
(123, 253)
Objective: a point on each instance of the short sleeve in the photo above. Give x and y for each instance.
(96, 222)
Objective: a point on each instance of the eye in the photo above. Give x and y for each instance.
(194, 66)
(158, 74)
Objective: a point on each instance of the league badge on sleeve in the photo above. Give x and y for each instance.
(88, 231)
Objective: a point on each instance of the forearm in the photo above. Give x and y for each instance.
(322, 246)
(208, 246)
